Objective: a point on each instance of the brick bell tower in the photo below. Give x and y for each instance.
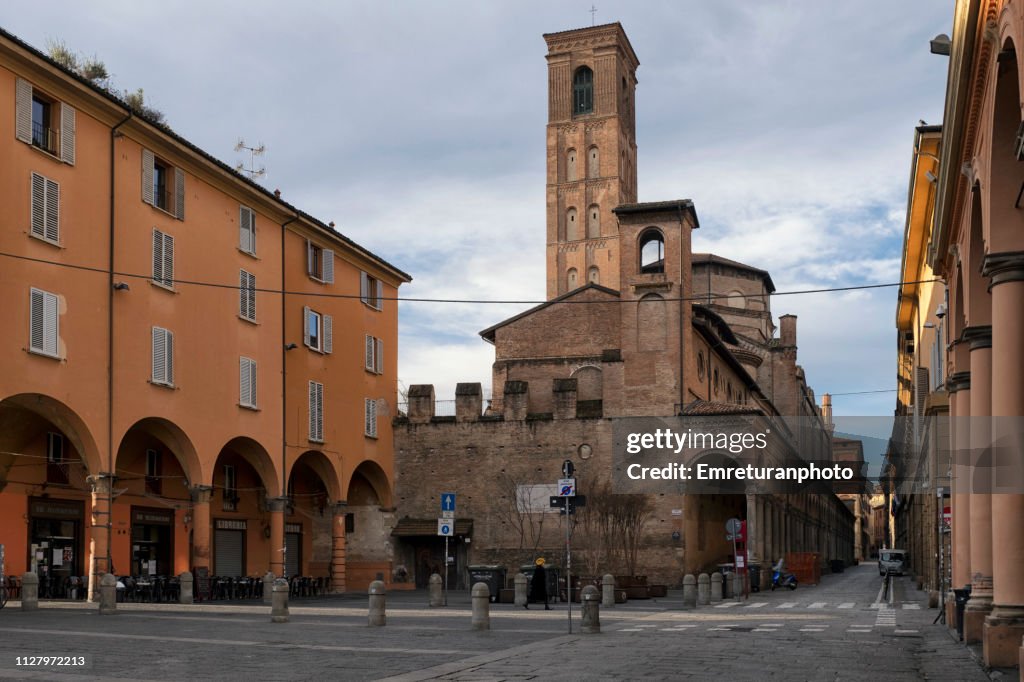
(591, 145)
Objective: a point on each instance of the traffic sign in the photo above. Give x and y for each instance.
(732, 527)
(447, 514)
(556, 502)
(447, 502)
(568, 469)
(566, 487)
(446, 527)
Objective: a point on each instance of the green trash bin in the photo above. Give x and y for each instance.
(493, 576)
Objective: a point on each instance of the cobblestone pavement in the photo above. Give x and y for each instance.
(842, 629)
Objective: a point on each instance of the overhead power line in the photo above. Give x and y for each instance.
(474, 301)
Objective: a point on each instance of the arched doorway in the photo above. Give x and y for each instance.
(708, 508)
(313, 489)
(368, 525)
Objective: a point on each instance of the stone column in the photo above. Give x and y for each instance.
(959, 387)
(753, 542)
(201, 495)
(277, 506)
(1005, 626)
(979, 339)
(338, 578)
(99, 525)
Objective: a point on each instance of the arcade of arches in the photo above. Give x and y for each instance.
(164, 508)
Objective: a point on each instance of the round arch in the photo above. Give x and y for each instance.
(257, 457)
(369, 484)
(23, 414)
(172, 437)
(651, 250)
(324, 468)
(1003, 226)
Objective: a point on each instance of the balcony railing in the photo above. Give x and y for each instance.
(43, 137)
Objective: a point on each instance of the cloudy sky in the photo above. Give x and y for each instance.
(418, 127)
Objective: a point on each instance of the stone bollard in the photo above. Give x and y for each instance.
(703, 589)
(29, 592)
(185, 591)
(737, 586)
(689, 591)
(108, 594)
(727, 585)
(436, 594)
(377, 597)
(268, 588)
(716, 587)
(279, 601)
(481, 595)
(608, 591)
(591, 620)
(521, 582)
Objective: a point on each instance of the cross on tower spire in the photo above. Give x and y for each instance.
(593, 15)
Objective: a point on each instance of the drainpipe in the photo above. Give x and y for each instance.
(110, 350)
(284, 370)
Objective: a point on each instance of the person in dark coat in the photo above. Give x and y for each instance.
(538, 585)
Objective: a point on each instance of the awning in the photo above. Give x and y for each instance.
(408, 527)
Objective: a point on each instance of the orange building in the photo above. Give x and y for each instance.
(193, 373)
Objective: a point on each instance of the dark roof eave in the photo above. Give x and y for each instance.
(672, 206)
(166, 130)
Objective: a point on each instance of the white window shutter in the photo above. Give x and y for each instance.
(147, 176)
(379, 288)
(251, 309)
(158, 256)
(319, 411)
(328, 265)
(246, 229)
(23, 110)
(364, 287)
(370, 349)
(67, 134)
(328, 332)
(169, 342)
(312, 410)
(50, 324)
(243, 293)
(159, 356)
(305, 327)
(38, 205)
(371, 417)
(179, 194)
(243, 381)
(309, 258)
(252, 383)
(379, 357)
(168, 260)
(36, 338)
(52, 211)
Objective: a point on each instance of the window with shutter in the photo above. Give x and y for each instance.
(319, 263)
(163, 357)
(247, 230)
(179, 194)
(328, 266)
(247, 382)
(163, 185)
(67, 134)
(371, 291)
(378, 364)
(371, 417)
(316, 414)
(23, 110)
(43, 322)
(148, 170)
(163, 259)
(315, 330)
(247, 295)
(45, 209)
(371, 349)
(328, 342)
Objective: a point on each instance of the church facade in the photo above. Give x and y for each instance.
(635, 325)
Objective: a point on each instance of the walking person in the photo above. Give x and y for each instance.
(538, 585)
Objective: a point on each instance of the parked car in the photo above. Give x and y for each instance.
(892, 561)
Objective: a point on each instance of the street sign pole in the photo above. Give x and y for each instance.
(446, 570)
(568, 562)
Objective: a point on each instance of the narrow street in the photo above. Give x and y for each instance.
(837, 630)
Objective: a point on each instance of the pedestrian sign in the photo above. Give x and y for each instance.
(447, 502)
(566, 487)
(446, 527)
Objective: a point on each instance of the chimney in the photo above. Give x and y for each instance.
(787, 333)
(826, 410)
(565, 398)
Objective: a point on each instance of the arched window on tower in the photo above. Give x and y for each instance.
(652, 251)
(593, 222)
(594, 275)
(572, 232)
(593, 163)
(570, 166)
(571, 279)
(583, 91)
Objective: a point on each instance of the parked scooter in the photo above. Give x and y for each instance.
(782, 579)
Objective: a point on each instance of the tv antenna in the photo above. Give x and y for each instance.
(251, 170)
(593, 15)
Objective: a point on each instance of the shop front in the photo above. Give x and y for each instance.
(56, 545)
(293, 549)
(229, 547)
(152, 542)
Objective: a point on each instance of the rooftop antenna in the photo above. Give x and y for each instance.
(593, 15)
(252, 171)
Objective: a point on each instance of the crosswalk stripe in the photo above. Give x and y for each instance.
(756, 604)
(817, 605)
(787, 605)
(727, 604)
(911, 606)
(846, 605)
